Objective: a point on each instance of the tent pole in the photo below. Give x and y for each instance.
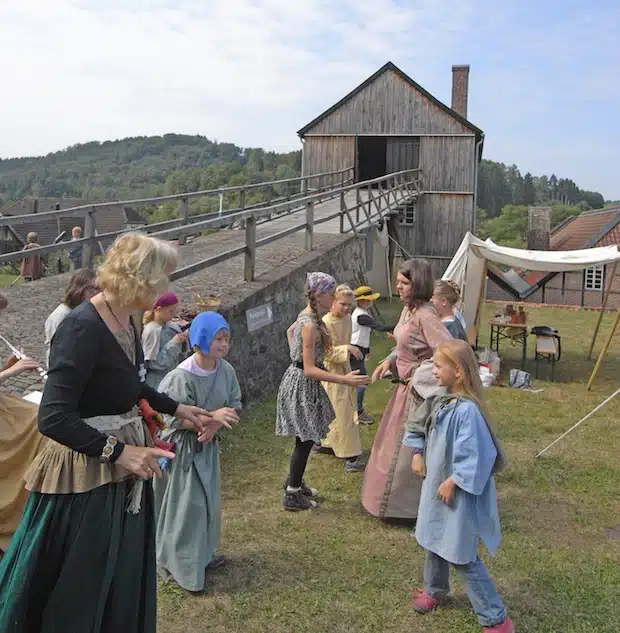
(600, 316)
(604, 350)
(480, 300)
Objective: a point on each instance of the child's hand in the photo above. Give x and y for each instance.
(356, 352)
(446, 491)
(355, 379)
(208, 432)
(417, 465)
(391, 336)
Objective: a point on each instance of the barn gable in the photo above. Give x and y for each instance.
(389, 102)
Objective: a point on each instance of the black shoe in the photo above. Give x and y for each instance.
(354, 466)
(364, 418)
(295, 501)
(306, 491)
(323, 450)
(217, 562)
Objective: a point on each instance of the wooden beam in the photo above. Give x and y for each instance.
(603, 306)
(250, 249)
(583, 288)
(309, 225)
(89, 232)
(183, 214)
(604, 350)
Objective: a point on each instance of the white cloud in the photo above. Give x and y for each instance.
(254, 71)
(240, 70)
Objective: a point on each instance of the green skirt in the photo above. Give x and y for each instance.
(80, 563)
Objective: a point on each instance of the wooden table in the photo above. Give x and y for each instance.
(499, 333)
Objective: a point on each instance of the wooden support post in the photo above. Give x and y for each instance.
(358, 202)
(474, 335)
(583, 288)
(543, 293)
(309, 225)
(563, 283)
(603, 306)
(89, 232)
(250, 248)
(344, 209)
(304, 186)
(183, 212)
(604, 350)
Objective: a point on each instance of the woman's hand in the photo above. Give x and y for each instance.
(356, 352)
(354, 379)
(142, 461)
(391, 336)
(446, 491)
(417, 465)
(194, 415)
(380, 371)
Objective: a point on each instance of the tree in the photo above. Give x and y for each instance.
(528, 195)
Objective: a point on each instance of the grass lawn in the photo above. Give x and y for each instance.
(7, 280)
(339, 570)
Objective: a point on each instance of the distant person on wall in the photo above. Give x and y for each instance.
(343, 439)
(82, 286)
(303, 408)
(32, 265)
(162, 342)
(75, 253)
(188, 500)
(445, 298)
(363, 323)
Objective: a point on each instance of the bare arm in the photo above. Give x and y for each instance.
(309, 335)
(289, 333)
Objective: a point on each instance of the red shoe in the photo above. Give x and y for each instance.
(424, 602)
(505, 627)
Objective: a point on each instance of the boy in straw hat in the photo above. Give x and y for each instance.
(363, 324)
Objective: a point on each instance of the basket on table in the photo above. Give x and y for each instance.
(210, 303)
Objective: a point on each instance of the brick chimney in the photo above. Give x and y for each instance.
(460, 88)
(538, 228)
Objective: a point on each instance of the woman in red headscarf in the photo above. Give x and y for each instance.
(162, 340)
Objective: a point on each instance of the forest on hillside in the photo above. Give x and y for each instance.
(144, 167)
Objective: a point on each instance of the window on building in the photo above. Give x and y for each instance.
(595, 278)
(407, 215)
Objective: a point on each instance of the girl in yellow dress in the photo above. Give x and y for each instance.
(343, 439)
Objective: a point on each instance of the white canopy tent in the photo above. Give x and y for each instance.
(468, 268)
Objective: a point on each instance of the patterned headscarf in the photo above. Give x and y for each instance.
(321, 283)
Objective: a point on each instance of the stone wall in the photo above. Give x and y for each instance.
(260, 357)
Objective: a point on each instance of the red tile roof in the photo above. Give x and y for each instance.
(585, 230)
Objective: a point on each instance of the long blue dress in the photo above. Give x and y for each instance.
(188, 496)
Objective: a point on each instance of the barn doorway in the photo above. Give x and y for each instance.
(370, 157)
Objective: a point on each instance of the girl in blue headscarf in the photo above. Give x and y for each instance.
(188, 497)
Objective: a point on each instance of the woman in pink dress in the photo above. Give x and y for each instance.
(391, 490)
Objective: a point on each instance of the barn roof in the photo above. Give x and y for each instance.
(392, 67)
(584, 230)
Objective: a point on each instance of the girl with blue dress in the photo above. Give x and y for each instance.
(455, 449)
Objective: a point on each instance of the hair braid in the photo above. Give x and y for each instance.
(325, 337)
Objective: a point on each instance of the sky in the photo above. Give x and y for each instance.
(543, 83)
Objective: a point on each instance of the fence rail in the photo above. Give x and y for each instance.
(382, 195)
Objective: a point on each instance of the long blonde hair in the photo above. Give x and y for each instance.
(459, 354)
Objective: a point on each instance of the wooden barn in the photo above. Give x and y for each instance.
(390, 123)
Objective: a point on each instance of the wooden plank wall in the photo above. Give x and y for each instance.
(447, 163)
(324, 154)
(441, 223)
(389, 105)
(402, 153)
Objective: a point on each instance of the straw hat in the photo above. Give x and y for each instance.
(366, 294)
